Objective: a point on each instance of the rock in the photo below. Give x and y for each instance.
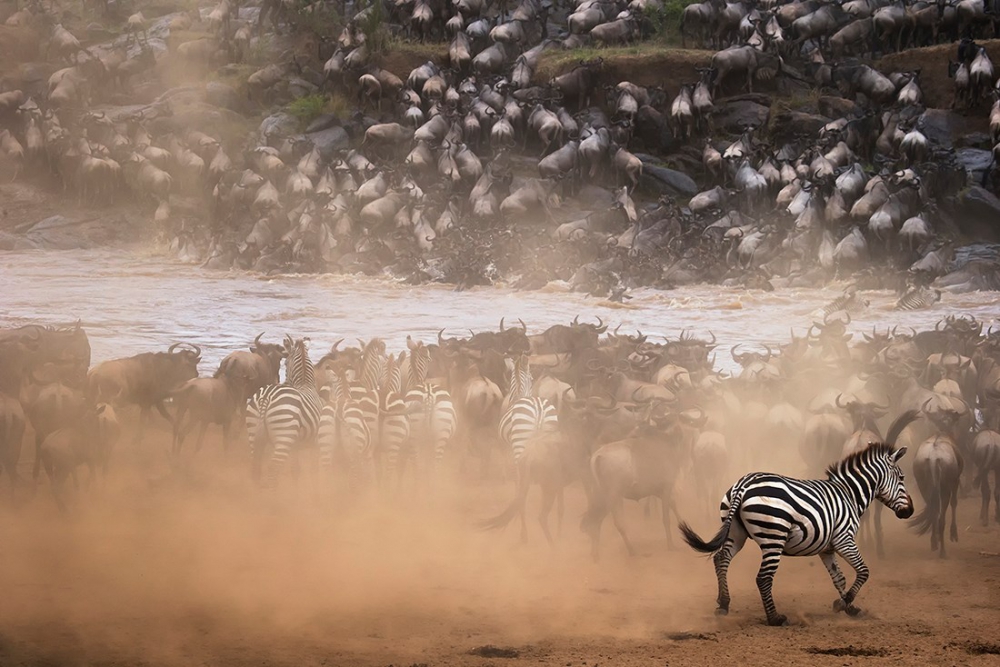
(329, 141)
(978, 214)
(223, 95)
(323, 122)
(278, 124)
(299, 87)
(788, 124)
(735, 115)
(975, 162)
(975, 140)
(665, 181)
(942, 127)
(836, 107)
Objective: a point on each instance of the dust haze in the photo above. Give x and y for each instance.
(191, 564)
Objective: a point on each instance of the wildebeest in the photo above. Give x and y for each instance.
(145, 380)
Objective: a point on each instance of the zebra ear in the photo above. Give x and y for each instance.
(898, 454)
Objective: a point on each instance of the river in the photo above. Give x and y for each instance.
(132, 303)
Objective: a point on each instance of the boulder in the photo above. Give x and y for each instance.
(734, 116)
(788, 124)
(278, 125)
(978, 214)
(665, 181)
(942, 127)
(223, 95)
(976, 162)
(329, 141)
(323, 122)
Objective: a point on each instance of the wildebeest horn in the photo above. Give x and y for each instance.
(838, 403)
(576, 320)
(501, 324)
(712, 334)
(334, 347)
(924, 406)
(732, 353)
(173, 347)
(768, 348)
(440, 339)
(256, 341)
(601, 326)
(524, 327)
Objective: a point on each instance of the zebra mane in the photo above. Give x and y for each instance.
(874, 450)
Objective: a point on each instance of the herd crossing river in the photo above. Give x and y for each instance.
(131, 304)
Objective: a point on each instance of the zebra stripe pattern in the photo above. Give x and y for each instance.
(525, 418)
(918, 298)
(344, 435)
(284, 417)
(793, 517)
(433, 421)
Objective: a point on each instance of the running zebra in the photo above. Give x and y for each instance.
(849, 302)
(284, 417)
(343, 433)
(394, 424)
(523, 414)
(793, 517)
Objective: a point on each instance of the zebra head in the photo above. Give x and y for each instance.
(298, 368)
(890, 487)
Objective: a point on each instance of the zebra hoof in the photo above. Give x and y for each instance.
(839, 605)
(853, 611)
(778, 620)
(722, 611)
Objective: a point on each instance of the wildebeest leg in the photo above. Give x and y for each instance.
(225, 436)
(666, 504)
(560, 510)
(749, 80)
(617, 516)
(770, 559)
(201, 436)
(723, 557)
(548, 499)
(143, 418)
(954, 511)
(996, 494)
(36, 466)
(984, 490)
(162, 409)
(180, 430)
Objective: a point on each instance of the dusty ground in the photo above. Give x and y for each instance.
(196, 568)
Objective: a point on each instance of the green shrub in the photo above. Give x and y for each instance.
(308, 107)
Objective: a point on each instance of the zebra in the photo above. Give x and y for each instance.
(918, 298)
(794, 517)
(343, 433)
(849, 302)
(284, 416)
(524, 415)
(430, 410)
(394, 424)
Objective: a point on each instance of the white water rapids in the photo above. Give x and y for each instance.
(130, 304)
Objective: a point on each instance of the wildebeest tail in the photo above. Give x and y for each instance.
(924, 521)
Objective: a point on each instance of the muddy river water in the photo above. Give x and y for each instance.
(131, 304)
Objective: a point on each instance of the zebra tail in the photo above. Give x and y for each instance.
(924, 521)
(517, 504)
(698, 544)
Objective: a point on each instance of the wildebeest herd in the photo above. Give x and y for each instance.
(620, 414)
(474, 168)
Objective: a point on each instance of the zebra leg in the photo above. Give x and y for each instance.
(201, 436)
(770, 559)
(723, 557)
(850, 553)
(839, 582)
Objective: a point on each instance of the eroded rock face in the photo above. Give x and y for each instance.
(278, 124)
(665, 181)
(788, 124)
(329, 141)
